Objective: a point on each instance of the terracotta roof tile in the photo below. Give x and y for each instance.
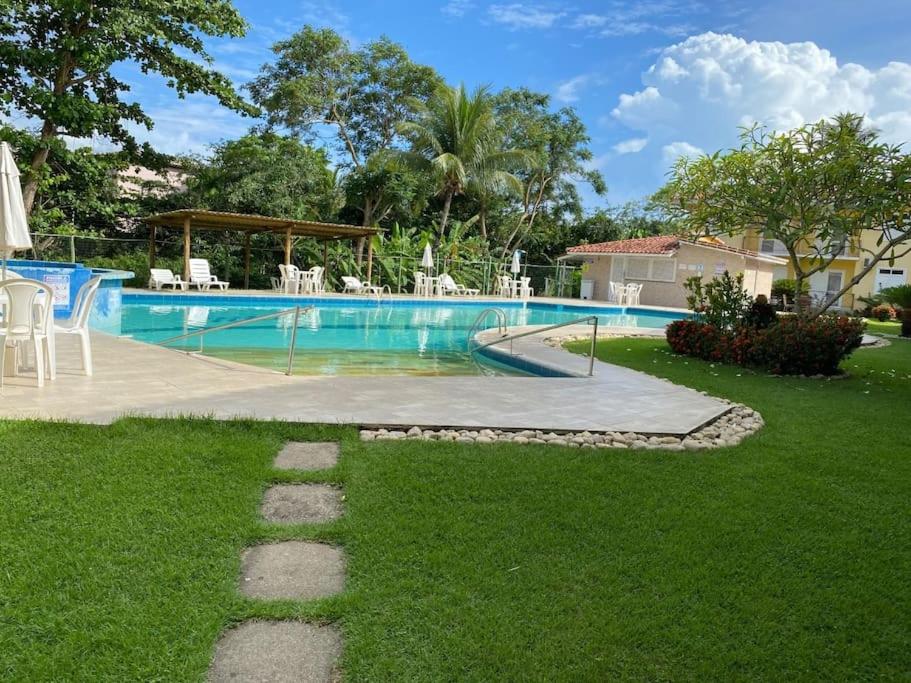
(661, 244)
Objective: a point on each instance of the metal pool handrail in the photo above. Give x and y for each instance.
(502, 326)
(529, 333)
(296, 311)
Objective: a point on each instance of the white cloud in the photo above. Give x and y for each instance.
(457, 8)
(631, 146)
(568, 91)
(520, 16)
(699, 91)
(633, 18)
(670, 153)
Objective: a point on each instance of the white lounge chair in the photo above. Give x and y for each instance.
(162, 277)
(355, 286)
(78, 322)
(450, 286)
(201, 275)
(21, 325)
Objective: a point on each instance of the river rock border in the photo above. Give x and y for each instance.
(728, 429)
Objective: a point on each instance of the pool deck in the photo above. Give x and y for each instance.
(133, 378)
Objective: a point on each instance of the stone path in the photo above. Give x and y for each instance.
(294, 570)
(277, 651)
(307, 455)
(302, 503)
(267, 651)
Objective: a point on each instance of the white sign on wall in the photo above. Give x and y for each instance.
(61, 286)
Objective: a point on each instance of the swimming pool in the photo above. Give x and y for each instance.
(350, 336)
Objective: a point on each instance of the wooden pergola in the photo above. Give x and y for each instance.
(221, 221)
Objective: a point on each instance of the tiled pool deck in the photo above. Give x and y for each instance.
(132, 378)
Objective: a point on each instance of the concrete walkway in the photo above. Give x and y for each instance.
(132, 378)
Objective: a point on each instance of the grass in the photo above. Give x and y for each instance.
(785, 557)
(883, 326)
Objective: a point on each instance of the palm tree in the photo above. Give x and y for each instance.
(901, 297)
(455, 138)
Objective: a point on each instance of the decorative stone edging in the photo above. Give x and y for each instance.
(728, 429)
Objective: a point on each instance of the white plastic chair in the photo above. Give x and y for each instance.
(21, 325)
(632, 294)
(504, 286)
(78, 323)
(616, 293)
(162, 277)
(420, 284)
(315, 281)
(525, 289)
(201, 275)
(290, 278)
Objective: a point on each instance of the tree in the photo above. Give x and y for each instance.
(318, 80)
(456, 140)
(558, 143)
(56, 62)
(77, 190)
(817, 189)
(901, 297)
(267, 174)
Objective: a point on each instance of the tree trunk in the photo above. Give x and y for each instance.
(444, 217)
(482, 223)
(39, 158)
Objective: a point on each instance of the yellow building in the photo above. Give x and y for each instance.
(823, 284)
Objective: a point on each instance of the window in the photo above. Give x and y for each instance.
(650, 269)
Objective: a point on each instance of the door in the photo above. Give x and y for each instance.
(834, 284)
(889, 277)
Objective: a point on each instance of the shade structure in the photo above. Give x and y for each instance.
(13, 224)
(427, 259)
(516, 266)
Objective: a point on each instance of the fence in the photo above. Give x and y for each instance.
(393, 269)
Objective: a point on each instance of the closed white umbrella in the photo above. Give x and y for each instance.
(427, 260)
(13, 225)
(516, 267)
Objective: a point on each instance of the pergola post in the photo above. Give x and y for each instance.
(152, 231)
(369, 259)
(186, 248)
(288, 246)
(247, 260)
(325, 260)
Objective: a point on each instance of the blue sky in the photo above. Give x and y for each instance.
(652, 80)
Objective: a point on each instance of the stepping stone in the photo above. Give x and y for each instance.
(295, 570)
(277, 651)
(302, 503)
(307, 455)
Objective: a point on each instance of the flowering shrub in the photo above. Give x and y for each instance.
(882, 312)
(790, 346)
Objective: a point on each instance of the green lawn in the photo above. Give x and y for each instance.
(884, 327)
(786, 557)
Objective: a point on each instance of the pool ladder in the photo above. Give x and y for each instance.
(296, 312)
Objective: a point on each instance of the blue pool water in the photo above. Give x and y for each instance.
(355, 336)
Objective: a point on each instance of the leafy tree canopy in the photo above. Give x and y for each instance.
(817, 189)
(319, 80)
(267, 174)
(56, 60)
